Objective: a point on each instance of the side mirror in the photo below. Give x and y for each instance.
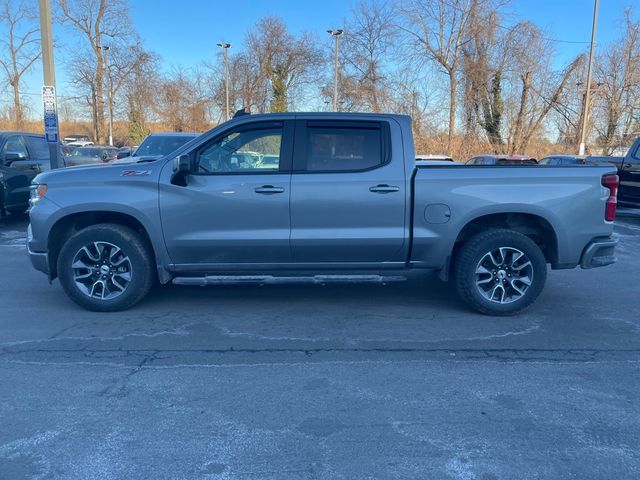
(181, 170)
(11, 157)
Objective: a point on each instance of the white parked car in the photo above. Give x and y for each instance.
(433, 158)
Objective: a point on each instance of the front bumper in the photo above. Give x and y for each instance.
(39, 260)
(599, 253)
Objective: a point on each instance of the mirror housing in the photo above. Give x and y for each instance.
(181, 170)
(11, 157)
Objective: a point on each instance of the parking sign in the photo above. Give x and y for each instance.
(50, 114)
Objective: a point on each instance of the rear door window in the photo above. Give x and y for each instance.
(343, 147)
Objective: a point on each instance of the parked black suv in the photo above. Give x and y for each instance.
(22, 157)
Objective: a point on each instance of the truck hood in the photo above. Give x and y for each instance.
(141, 159)
(103, 172)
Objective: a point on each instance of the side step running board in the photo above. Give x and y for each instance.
(271, 280)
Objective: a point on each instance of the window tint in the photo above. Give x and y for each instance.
(343, 148)
(39, 147)
(161, 145)
(15, 145)
(478, 161)
(248, 151)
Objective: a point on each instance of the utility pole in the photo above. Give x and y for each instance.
(226, 47)
(336, 34)
(51, 132)
(587, 94)
(105, 49)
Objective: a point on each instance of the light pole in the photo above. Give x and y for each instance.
(49, 88)
(105, 49)
(336, 34)
(226, 47)
(587, 94)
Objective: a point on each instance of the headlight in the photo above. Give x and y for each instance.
(38, 191)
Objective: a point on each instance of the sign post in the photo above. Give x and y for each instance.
(49, 89)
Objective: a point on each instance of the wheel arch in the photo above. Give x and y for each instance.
(68, 225)
(534, 226)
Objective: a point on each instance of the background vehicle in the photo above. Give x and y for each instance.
(501, 160)
(22, 157)
(433, 158)
(346, 198)
(76, 139)
(629, 173)
(157, 145)
(560, 160)
(90, 155)
(79, 143)
(66, 150)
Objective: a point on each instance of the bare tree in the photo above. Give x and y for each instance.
(438, 30)
(486, 67)
(183, 105)
(247, 88)
(99, 23)
(618, 86)
(20, 49)
(367, 46)
(285, 61)
(136, 93)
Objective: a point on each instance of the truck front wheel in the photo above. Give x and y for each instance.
(500, 272)
(106, 268)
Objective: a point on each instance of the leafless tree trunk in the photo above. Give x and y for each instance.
(618, 85)
(440, 28)
(101, 23)
(21, 47)
(369, 35)
(286, 61)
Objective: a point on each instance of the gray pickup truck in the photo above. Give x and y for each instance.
(316, 197)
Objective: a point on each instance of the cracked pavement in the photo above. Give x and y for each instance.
(310, 381)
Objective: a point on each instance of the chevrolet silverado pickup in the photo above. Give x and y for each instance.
(316, 197)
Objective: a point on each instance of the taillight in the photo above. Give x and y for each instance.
(611, 182)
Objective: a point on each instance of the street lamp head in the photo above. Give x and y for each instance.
(335, 33)
(224, 45)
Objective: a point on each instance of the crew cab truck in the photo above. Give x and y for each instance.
(343, 200)
(629, 173)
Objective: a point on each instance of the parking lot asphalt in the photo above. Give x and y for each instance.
(310, 381)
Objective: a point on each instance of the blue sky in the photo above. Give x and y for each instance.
(185, 32)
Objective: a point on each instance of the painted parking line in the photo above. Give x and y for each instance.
(13, 238)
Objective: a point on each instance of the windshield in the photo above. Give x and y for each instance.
(88, 152)
(161, 145)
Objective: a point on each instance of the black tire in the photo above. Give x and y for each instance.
(498, 292)
(138, 263)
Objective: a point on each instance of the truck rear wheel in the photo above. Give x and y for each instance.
(106, 268)
(500, 272)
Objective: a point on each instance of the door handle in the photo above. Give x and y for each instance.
(384, 188)
(269, 190)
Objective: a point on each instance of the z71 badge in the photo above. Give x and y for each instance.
(135, 173)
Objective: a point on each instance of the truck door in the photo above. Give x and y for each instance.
(18, 169)
(348, 193)
(235, 206)
(630, 177)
